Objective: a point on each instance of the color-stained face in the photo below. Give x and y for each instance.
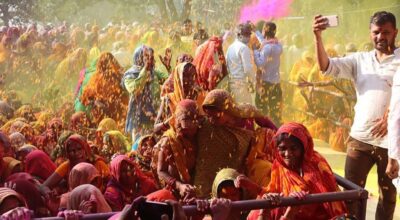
(383, 36)
(187, 124)
(76, 153)
(127, 175)
(229, 191)
(216, 116)
(189, 81)
(291, 152)
(147, 147)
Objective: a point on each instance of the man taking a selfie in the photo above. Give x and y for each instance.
(372, 74)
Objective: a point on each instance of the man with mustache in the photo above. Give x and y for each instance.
(372, 73)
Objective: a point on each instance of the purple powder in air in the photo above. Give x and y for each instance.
(264, 10)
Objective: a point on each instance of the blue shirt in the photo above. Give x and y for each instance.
(268, 61)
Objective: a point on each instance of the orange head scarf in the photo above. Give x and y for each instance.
(317, 174)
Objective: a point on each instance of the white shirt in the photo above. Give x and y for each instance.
(239, 61)
(373, 83)
(394, 119)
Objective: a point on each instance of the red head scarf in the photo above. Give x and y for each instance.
(38, 163)
(115, 167)
(81, 141)
(204, 61)
(317, 174)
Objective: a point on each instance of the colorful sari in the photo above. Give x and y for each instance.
(87, 192)
(9, 167)
(317, 178)
(85, 77)
(117, 142)
(118, 195)
(104, 87)
(178, 93)
(82, 173)
(7, 192)
(64, 169)
(207, 56)
(39, 165)
(35, 201)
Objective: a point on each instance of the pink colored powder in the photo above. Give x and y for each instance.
(264, 10)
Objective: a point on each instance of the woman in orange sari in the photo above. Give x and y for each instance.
(77, 150)
(105, 87)
(298, 170)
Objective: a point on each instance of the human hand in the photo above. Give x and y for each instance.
(220, 208)
(166, 59)
(186, 191)
(299, 195)
(392, 168)
(202, 205)
(19, 213)
(320, 24)
(88, 206)
(274, 198)
(244, 182)
(70, 214)
(380, 128)
(10, 185)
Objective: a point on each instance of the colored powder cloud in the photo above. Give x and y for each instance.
(264, 10)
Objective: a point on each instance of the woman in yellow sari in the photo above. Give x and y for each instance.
(104, 87)
(185, 87)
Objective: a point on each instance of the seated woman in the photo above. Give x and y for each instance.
(221, 109)
(143, 155)
(185, 87)
(34, 201)
(8, 165)
(224, 187)
(177, 150)
(9, 199)
(17, 140)
(82, 173)
(77, 151)
(114, 142)
(127, 183)
(88, 199)
(39, 165)
(107, 124)
(298, 169)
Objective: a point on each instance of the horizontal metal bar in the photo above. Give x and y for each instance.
(288, 201)
(256, 204)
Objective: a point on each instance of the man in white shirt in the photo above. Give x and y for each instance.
(240, 66)
(372, 73)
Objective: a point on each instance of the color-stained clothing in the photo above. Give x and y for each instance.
(317, 177)
(144, 89)
(118, 195)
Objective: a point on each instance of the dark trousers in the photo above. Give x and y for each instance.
(269, 101)
(359, 161)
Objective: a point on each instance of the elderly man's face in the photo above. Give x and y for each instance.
(383, 36)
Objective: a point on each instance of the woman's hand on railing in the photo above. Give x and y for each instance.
(220, 208)
(71, 214)
(19, 213)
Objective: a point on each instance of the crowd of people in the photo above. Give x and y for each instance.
(87, 129)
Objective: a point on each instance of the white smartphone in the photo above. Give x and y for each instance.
(333, 20)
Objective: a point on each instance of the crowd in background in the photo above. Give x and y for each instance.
(93, 118)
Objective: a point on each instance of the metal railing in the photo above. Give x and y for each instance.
(352, 192)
